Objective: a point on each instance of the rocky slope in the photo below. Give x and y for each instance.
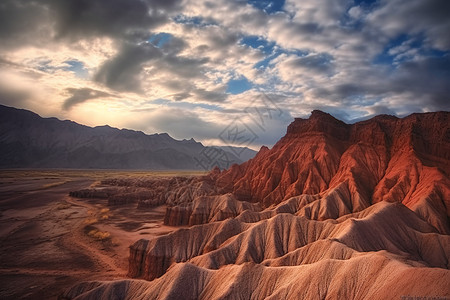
(332, 211)
(29, 141)
(176, 192)
(285, 239)
(384, 251)
(352, 166)
(369, 276)
(205, 209)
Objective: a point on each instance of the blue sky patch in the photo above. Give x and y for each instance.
(270, 7)
(266, 61)
(196, 21)
(366, 3)
(258, 42)
(238, 86)
(159, 39)
(270, 49)
(386, 56)
(77, 67)
(404, 48)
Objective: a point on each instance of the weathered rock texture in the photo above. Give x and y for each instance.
(286, 239)
(207, 209)
(352, 166)
(351, 212)
(370, 276)
(151, 192)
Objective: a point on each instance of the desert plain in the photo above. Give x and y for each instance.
(50, 240)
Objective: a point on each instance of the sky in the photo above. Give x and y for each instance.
(225, 71)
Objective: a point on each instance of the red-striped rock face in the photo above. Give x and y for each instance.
(385, 158)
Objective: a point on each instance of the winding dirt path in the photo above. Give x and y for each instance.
(76, 238)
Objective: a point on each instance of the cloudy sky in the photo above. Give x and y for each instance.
(198, 68)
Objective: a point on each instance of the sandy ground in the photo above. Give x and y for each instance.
(50, 241)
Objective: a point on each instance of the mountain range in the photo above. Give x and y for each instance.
(29, 141)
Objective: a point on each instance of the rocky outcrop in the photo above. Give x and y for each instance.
(151, 192)
(162, 252)
(382, 159)
(178, 215)
(123, 198)
(100, 193)
(207, 209)
(138, 253)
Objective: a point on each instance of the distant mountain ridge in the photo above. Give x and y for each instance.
(30, 141)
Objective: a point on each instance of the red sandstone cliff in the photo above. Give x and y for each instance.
(382, 159)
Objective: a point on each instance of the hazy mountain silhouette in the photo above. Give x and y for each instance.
(29, 141)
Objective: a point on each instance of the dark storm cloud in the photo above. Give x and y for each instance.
(22, 22)
(217, 95)
(341, 92)
(110, 17)
(27, 22)
(321, 63)
(428, 79)
(184, 66)
(218, 38)
(307, 28)
(430, 17)
(211, 96)
(82, 95)
(122, 71)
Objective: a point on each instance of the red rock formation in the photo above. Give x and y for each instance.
(207, 209)
(92, 193)
(151, 192)
(382, 159)
(283, 237)
(177, 215)
(162, 252)
(370, 276)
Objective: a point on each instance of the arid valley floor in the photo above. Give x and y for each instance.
(45, 243)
